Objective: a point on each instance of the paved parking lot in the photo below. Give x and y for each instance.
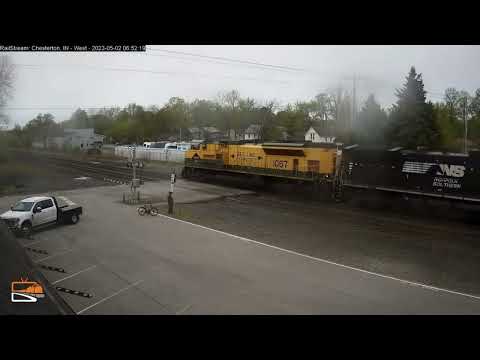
(129, 264)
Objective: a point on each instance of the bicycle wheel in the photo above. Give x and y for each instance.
(154, 211)
(142, 210)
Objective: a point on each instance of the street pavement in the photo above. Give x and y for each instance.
(130, 264)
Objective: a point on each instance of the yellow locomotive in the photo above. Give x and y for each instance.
(291, 161)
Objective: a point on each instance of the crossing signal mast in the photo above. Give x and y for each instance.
(135, 181)
(173, 179)
(466, 125)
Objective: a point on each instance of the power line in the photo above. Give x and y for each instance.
(94, 67)
(248, 62)
(216, 62)
(59, 108)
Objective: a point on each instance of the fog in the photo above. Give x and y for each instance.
(59, 83)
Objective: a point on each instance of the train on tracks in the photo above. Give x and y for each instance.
(340, 169)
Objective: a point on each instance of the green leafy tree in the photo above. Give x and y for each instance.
(204, 113)
(474, 108)
(412, 122)
(268, 123)
(177, 117)
(449, 127)
(78, 120)
(292, 119)
(42, 127)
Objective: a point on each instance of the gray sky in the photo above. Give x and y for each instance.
(61, 82)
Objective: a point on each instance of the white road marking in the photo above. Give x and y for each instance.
(75, 274)
(109, 297)
(183, 310)
(37, 241)
(412, 283)
(82, 178)
(51, 256)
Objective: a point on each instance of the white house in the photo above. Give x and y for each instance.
(318, 134)
(253, 132)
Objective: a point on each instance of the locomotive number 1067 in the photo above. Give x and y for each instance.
(282, 164)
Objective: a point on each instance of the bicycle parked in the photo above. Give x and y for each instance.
(147, 209)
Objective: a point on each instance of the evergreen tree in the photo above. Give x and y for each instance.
(371, 124)
(412, 122)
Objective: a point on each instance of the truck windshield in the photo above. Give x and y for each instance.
(23, 206)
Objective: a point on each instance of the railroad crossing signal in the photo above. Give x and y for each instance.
(135, 181)
(173, 178)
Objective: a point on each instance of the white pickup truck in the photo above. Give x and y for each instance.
(39, 211)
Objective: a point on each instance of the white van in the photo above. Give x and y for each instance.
(171, 146)
(184, 146)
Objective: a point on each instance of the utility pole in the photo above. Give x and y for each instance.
(353, 118)
(354, 101)
(465, 123)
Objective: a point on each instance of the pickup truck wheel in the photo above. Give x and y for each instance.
(74, 218)
(26, 228)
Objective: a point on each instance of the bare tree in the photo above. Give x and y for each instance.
(6, 86)
(230, 103)
(272, 105)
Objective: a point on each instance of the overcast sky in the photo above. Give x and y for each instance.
(61, 82)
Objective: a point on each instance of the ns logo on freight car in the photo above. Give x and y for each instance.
(449, 176)
(451, 170)
(433, 168)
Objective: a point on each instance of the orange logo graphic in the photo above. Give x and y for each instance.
(26, 291)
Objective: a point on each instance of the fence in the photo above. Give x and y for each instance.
(151, 154)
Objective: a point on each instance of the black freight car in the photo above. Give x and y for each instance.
(448, 176)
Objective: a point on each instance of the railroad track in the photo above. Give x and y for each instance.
(104, 166)
(103, 170)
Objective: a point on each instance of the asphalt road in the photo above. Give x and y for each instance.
(159, 265)
(16, 265)
(428, 250)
